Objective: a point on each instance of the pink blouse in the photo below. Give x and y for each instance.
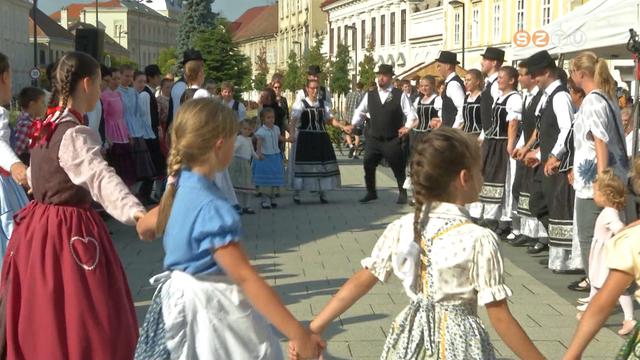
(116, 129)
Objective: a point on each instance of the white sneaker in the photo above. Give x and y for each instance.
(582, 307)
(627, 327)
(584, 300)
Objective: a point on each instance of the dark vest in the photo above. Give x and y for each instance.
(153, 105)
(425, 113)
(499, 123)
(387, 118)
(529, 116)
(486, 106)
(312, 119)
(548, 129)
(472, 115)
(449, 109)
(51, 184)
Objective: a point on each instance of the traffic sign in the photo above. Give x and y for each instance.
(34, 73)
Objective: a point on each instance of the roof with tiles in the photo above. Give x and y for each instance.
(255, 22)
(47, 27)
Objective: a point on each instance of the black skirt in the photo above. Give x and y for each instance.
(315, 156)
(561, 213)
(524, 189)
(495, 163)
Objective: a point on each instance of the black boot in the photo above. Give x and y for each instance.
(369, 197)
(402, 197)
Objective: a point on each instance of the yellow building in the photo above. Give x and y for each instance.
(298, 23)
(255, 32)
(496, 23)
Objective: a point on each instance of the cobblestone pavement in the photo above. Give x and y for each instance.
(306, 252)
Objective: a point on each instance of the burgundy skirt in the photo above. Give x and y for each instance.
(64, 291)
(120, 158)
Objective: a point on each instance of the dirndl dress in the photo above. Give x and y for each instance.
(241, 177)
(269, 171)
(12, 199)
(142, 159)
(205, 317)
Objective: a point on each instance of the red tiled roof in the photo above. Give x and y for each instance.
(47, 27)
(257, 21)
(74, 10)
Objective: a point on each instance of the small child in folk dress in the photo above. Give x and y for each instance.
(447, 265)
(210, 302)
(240, 168)
(65, 290)
(609, 194)
(32, 104)
(268, 169)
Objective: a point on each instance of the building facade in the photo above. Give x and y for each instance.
(143, 31)
(14, 40)
(53, 40)
(401, 33)
(255, 33)
(300, 22)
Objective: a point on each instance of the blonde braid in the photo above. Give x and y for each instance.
(174, 165)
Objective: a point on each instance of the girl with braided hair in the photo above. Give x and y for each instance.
(210, 301)
(63, 286)
(448, 265)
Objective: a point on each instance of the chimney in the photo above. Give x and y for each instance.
(64, 20)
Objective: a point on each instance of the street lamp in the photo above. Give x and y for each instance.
(456, 4)
(354, 44)
(34, 82)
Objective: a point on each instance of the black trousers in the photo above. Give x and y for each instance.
(393, 151)
(543, 189)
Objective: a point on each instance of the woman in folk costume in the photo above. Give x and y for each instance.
(472, 120)
(448, 265)
(13, 172)
(497, 147)
(64, 287)
(316, 167)
(210, 301)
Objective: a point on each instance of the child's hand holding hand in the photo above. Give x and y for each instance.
(260, 156)
(310, 346)
(146, 225)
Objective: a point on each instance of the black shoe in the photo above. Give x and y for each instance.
(323, 200)
(351, 151)
(544, 262)
(402, 197)
(412, 203)
(248, 211)
(489, 224)
(369, 197)
(296, 199)
(503, 229)
(356, 157)
(274, 205)
(523, 240)
(537, 248)
(569, 272)
(238, 209)
(581, 285)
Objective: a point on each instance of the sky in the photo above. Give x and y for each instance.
(231, 9)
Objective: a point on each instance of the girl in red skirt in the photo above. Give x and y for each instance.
(63, 285)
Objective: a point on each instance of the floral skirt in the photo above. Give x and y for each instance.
(428, 331)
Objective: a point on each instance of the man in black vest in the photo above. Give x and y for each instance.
(453, 95)
(391, 118)
(180, 85)
(313, 74)
(154, 76)
(492, 60)
(555, 119)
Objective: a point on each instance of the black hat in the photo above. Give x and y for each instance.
(314, 70)
(539, 61)
(492, 53)
(190, 55)
(385, 69)
(152, 70)
(448, 57)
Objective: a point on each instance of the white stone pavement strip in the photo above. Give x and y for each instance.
(306, 252)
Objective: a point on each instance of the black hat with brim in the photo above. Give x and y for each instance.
(191, 55)
(492, 53)
(152, 70)
(539, 61)
(385, 69)
(314, 70)
(448, 57)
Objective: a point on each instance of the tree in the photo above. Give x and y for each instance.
(367, 71)
(196, 17)
(260, 80)
(314, 57)
(168, 60)
(223, 59)
(292, 77)
(340, 79)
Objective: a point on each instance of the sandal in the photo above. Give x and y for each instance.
(581, 285)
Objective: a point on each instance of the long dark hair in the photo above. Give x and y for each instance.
(72, 68)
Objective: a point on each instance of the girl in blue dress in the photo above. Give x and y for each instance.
(210, 302)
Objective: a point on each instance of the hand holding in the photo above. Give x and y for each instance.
(19, 174)
(570, 177)
(403, 131)
(435, 123)
(310, 346)
(347, 129)
(530, 159)
(551, 166)
(146, 224)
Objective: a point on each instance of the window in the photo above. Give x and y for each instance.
(373, 32)
(497, 21)
(43, 57)
(403, 25)
(363, 34)
(382, 29)
(546, 12)
(354, 36)
(520, 15)
(392, 28)
(475, 25)
(339, 36)
(346, 35)
(456, 28)
(331, 33)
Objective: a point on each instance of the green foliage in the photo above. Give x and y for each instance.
(262, 67)
(367, 71)
(340, 79)
(117, 61)
(196, 17)
(223, 59)
(293, 79)
(168, 60)
(314, 56)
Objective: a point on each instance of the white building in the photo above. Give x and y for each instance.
(14, 40)
(168, 8)
(403, 34)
